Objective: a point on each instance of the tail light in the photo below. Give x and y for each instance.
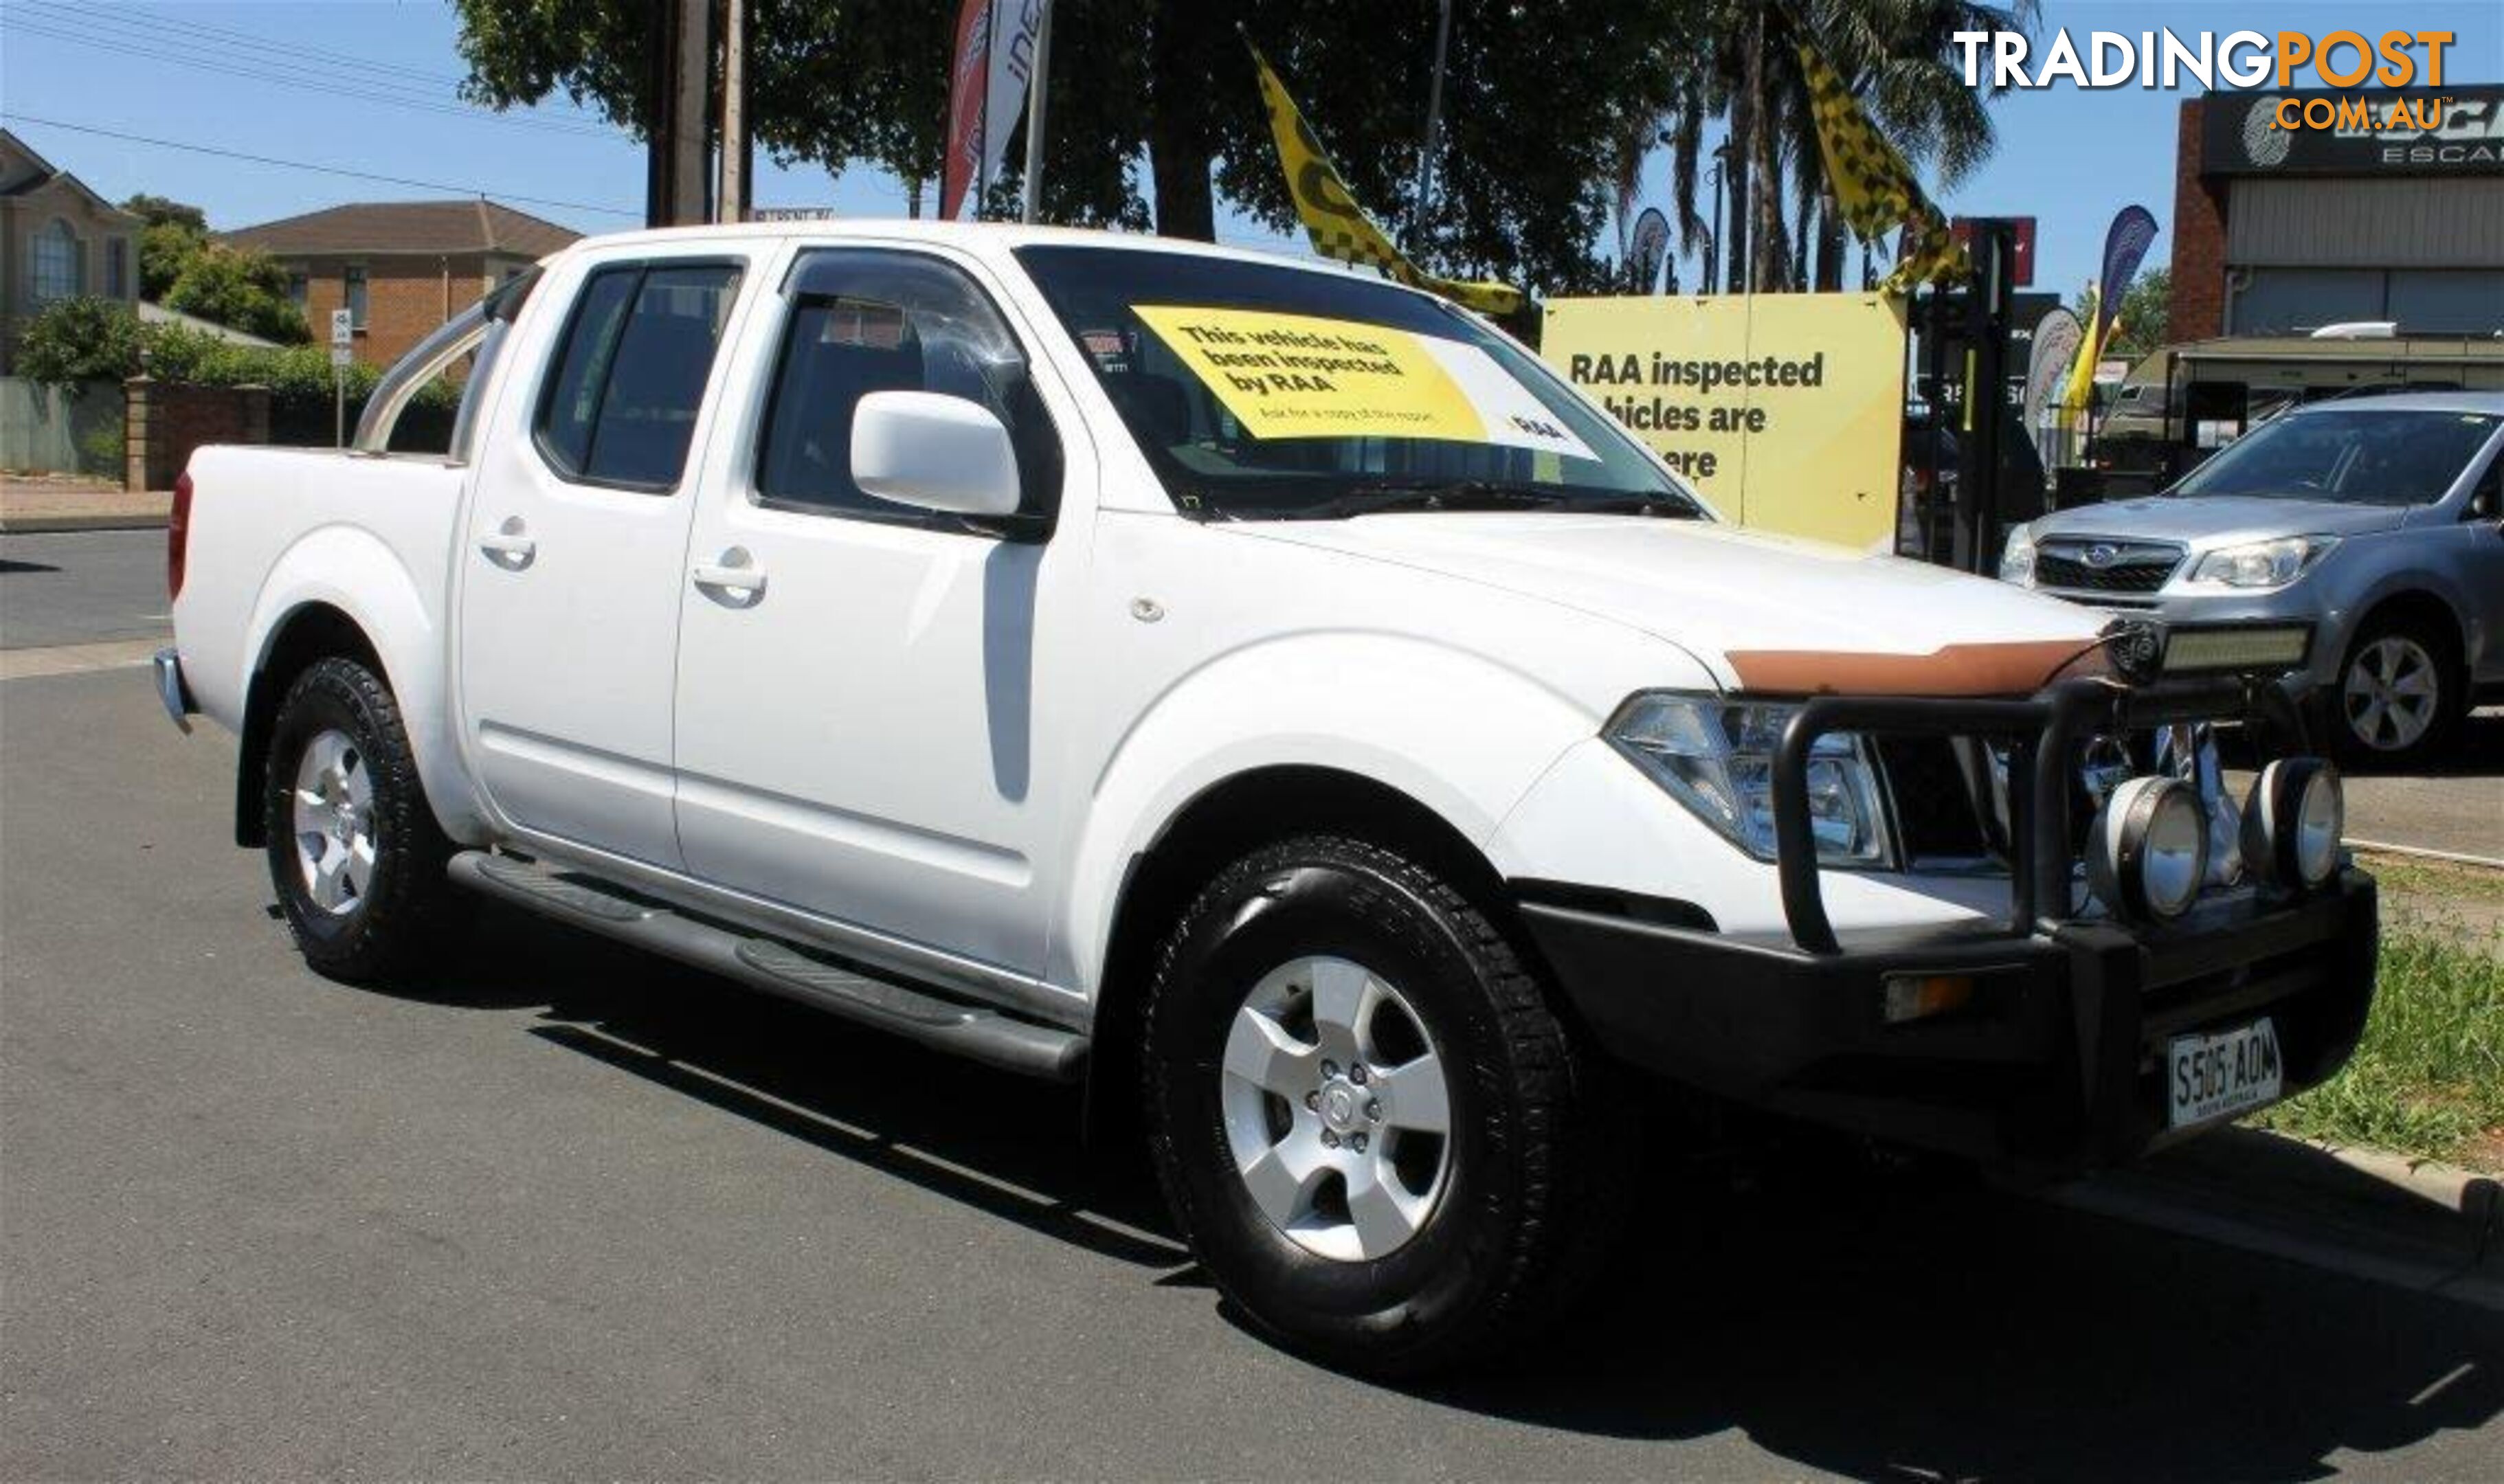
(178, 536)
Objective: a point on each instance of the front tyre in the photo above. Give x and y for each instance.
(1380, 1141)
(2399, 698)
(355, 855)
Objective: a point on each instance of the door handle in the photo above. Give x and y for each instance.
(507, 547)
(736, 573)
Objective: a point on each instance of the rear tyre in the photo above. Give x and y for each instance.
(2400, 696)
(1383, 1145)
(355, 855)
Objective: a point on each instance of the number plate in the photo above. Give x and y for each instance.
(2218, 1075)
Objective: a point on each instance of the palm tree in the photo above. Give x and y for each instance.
(1896, 55)
(1899, 57)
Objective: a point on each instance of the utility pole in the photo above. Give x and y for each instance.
(1434, 125)
(730, 192)
(679, 130)
(1713, 243)
(1037, 94)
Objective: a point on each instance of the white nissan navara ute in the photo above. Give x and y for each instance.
(1272, 696)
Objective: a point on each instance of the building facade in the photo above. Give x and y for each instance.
(401, 267)
(57, 239)
(2282, 231)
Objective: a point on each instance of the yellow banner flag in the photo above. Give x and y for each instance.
(2082, 371)
(1874, 186)
(1340, 228)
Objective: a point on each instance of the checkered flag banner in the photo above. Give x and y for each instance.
(1873, 185)
(1340, 228)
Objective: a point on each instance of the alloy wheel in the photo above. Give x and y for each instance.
(334, 806)
(2392, 693)
(1337, 1109)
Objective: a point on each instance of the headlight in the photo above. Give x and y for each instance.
(1717, 758)
(2017, 558)
(2261, 564)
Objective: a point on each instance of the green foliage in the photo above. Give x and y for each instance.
(93, 339)
(165, 249)
(101, 451)
(162, 211)
(241, 288)
(2428, 1078)
(2146, 314)
(78, 340)
(1154, 102)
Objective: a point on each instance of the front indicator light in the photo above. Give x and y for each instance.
(2147, 850)
(2292, 821)
(1916, 996)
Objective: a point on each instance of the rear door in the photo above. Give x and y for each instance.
(576, 549)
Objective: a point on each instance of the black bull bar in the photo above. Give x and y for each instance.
(2043, 733)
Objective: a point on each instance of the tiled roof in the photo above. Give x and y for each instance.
(407, 227)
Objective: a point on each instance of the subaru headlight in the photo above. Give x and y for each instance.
(2260, 564)
(2017, 558)
(1717, 758)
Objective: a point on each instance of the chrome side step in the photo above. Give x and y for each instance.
(978, 1032)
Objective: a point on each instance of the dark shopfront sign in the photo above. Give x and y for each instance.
(2238, 133)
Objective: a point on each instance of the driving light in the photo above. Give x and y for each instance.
(2260, 564)
(1717, 758)
(2017, 558)
(2292, 822)
(2147, 850)
(2264, 648)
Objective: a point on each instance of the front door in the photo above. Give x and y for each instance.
(576, 552)
(861, 734)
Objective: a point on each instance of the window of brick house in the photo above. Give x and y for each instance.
(356, 296)
(299, 285)
(53, 265)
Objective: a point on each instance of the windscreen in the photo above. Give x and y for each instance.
(2351, 454)
(1261, 390)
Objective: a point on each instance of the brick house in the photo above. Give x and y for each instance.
(57, 239)
(404, 267)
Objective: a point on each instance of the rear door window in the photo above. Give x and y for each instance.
(621, 400)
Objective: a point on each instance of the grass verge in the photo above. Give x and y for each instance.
(2428, 1078)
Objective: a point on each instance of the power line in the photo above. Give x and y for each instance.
(301, 164)
(358, 89)
(155, 22)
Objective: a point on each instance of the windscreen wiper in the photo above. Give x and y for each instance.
(1384, 496)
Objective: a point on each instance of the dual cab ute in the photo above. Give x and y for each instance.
(1267, 694)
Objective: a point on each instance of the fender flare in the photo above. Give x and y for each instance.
(355, 572)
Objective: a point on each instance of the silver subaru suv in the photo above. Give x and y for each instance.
(2359, 541)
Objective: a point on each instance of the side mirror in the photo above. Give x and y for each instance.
(940, 453)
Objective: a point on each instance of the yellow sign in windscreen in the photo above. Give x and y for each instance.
(1300, 376)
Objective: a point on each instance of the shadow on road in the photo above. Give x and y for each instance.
(1878, 1326)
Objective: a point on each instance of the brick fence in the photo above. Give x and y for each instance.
(165, 421)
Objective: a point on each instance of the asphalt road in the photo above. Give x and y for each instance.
(81, 588)
(567, 1212)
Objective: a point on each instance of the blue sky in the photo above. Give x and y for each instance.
(313, 90)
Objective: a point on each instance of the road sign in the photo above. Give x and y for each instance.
(343, 327)
(342, 357)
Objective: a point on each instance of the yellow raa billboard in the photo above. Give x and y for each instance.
(1785, 410)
